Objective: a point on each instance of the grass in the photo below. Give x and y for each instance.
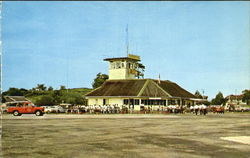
(81, 91)
(183, 136)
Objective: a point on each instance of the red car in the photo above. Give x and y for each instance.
(25, 108)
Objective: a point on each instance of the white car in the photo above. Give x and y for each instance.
(47, 109)
(55, 109)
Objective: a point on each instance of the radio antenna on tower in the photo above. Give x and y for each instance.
(127, 42)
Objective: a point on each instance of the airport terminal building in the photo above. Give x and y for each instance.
(125, 88)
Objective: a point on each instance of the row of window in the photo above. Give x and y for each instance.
(150, 102)
(131, 101)
(119, 65)
(153, 102)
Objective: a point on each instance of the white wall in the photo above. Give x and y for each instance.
(99, 101)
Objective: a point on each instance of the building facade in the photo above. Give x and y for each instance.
(139, 93)
(125, 88)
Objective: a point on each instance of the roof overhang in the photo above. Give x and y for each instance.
(198, 99)
(145, 97)
(121, 58)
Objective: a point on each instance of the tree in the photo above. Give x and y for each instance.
(219, 99)
(140, 70)
(15, 92)
(46, 100)
(72, 98)
(198, 94)
(62, 87)
(50, 88)
(56, 94)
(41, 87)
(99, 80)
(246, 96)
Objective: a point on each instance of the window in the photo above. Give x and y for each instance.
(112, 65)
(128, 65)
(135, 66)
(153, 102)
(125, 101)
(142, 101)
(118, 65)
(131, 101)
(136, 101)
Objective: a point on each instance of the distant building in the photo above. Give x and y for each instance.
(124, 88)
(235, 100)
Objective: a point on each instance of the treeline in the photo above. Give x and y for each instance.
(42, 95)
(221, 100)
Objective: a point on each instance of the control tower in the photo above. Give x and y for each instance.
(125, 67)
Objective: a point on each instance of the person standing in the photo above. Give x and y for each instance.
(204, 109)
(192, 109)
(196, 109)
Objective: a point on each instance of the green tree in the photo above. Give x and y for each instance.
(57, 94)
(45, 100)
(50, 88)
(15, 92)
(72, 98)
(218, 100)
(246, 96)
(62, 87)
(41, 87)
(99, 80)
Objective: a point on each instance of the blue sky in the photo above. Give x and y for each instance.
(198, 45)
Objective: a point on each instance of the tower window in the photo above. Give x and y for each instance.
(129, 65)
(118, 65)
(112, 66)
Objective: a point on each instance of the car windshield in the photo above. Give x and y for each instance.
(30, 104)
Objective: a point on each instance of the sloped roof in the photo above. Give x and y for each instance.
(151, 89)
(15, 98)
(120, 58)
(119, 88)
(140, 88)
(174, 89)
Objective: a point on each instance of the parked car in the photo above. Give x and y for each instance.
(19, 108)
(242, 109)
(59, 109)
(54, 109)
(47, 109)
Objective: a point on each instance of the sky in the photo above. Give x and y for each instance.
(201, 46)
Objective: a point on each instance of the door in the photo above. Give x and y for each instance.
(29, 108)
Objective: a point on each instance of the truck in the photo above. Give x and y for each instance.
(19, 108)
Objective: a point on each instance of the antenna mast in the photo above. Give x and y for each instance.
(127, 42)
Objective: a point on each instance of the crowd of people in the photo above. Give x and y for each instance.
(104, 109)
(125, 109)
(199, 109)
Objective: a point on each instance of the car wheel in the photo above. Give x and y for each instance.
(38, 113)
(16, 113)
